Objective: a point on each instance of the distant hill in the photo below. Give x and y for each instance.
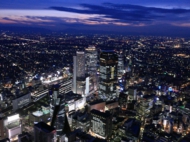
(154, 30)
(23, 29)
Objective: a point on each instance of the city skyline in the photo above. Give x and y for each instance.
(142, 88)
(131, 17)
(99, 71)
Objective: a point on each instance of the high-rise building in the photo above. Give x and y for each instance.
(59, 119)
(144, 107)
(54, 93)
(64, 87)
(132, 94)
(101, 123)
(44, 133)
(57, 108)
(108, 74)
(122, 100)
(120, 67)
(79, 73)
(91, 58)
(80, 65)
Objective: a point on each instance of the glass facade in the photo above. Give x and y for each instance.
(91, 58)
(120, 64)
(101, 123)
(80, 65)
(108, 75)
(78, 72)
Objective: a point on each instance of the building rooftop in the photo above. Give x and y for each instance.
(13, 124)
(44, 127)
(96, 102)
(5, 140)
(99, 113)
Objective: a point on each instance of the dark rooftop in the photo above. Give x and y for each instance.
(96, 102)
(44, 127)
(106, 114)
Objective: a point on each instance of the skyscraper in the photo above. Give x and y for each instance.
(91, 58)
(59, 120)
(101, 123)
(79, 73)
(44, 133)
(80, 65)
(53, 92)
(120, 64)
(108, 74)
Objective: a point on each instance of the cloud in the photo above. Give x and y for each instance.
(106, 15)
(133, 14)
(181, 24)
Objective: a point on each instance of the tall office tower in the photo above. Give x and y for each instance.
(53, 92)
(91, 58)
(101, 123)
(120, 67)
(44, 133)
(108, 75)
(143, 107)
(79, 73)
(59, 120)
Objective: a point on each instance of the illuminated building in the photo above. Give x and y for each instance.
(111, 105)
(91, 58)
(44, 133)
(13, 126)
(53, 92)
(80, 120)
(79, 73)
(57, 111)
(108, 75)
(80, 61)
(21, 101)
(40, 115)
(122, 100)
(74, 101)
(97, 105)
(120, 67)
(144, 106)
(101, 124)
(59, 119)
(1, 97)
(132, 95)
(79, 135)
(66, 86)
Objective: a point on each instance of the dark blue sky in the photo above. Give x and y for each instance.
(162, 17)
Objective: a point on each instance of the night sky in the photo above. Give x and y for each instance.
(149, 17)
